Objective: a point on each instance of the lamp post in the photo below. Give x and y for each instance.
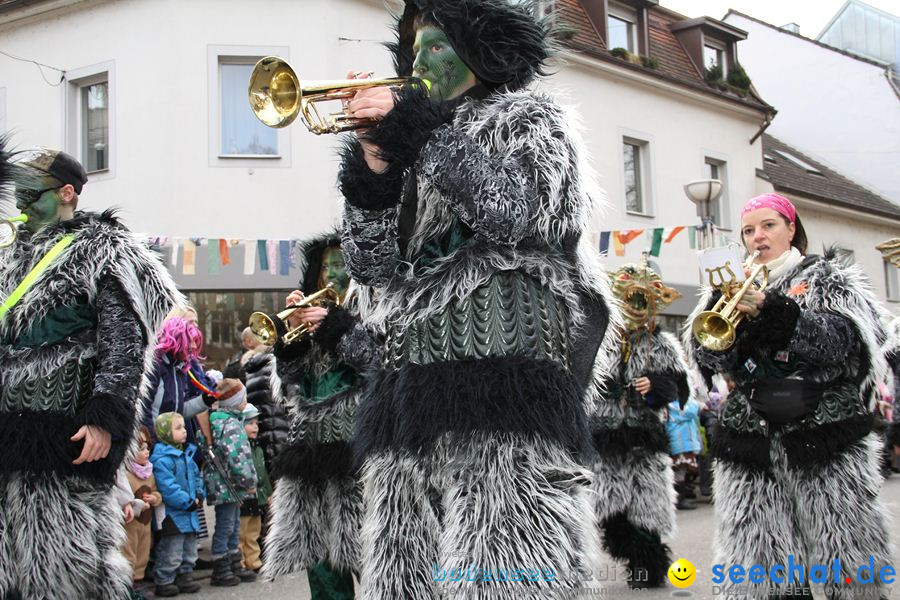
(703, 193)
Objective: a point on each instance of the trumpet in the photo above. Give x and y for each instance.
(716, 329)
(268, 329)
(9, 231)
(277, 97)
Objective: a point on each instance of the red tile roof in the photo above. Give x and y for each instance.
(674, 64)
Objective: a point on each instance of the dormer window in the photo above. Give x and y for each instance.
(622, 27)
(714, 56)
(709, 43)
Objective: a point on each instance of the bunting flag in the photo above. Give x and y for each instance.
(617, 244)
(284, 257)
(213, 257)
(657, 241)
(604, 243)
(173, 256)
(272, 254)
(187, 267)
(249, 257)
(671, 232)
(263, 255)
(223, 252)
(625, 237)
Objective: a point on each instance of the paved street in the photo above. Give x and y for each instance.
(693, 541)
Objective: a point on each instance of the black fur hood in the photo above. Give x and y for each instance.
(505, 43)
(310, 263)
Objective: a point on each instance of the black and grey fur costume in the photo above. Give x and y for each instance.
(635, 494)
(474, 430)
(892, 356)
(808, 487)
(316, 512)
(76, 350)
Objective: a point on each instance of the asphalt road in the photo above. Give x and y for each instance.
(693, 541)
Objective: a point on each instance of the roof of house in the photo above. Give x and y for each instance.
(877, 63)
(674, 65)
(791, 171)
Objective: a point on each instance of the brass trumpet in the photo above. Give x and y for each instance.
(268, 329)
(9, 231)
(277, 97)
(715, 329)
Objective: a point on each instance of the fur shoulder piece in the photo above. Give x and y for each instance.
(102, 247)
(505, 43)
(6, 171)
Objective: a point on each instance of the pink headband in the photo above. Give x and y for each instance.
(777, 203)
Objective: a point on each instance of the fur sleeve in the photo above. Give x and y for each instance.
(509, 175)
(120, 360)
(344, 337)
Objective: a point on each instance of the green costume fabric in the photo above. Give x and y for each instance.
(326, 583)
(264, 486)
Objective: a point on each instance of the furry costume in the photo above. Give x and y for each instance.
(74, 351)
(473, 433)
(807, 487)
(892, 356)
(635, 494)
(315, 514)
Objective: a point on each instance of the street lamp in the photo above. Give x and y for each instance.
(703, 193)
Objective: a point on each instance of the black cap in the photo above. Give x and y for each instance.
(61, 166)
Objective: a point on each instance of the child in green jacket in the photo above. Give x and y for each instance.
(252, 509)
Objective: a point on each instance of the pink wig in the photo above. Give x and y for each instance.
(181, 339)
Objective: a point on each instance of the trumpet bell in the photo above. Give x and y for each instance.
(7, 234)
(713, 331)
(275, 92)
(267, 329)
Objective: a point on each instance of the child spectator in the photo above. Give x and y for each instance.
(145, 496)
(684, 445)
(252, 508)
(230, 478)
(182, 492)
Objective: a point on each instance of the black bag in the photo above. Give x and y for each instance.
(782, 400)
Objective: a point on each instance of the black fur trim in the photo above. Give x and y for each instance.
(818, 446)
(893, 433)
(774, 326)
(403, 132)
(291, 352)
(38, 442)
(750, 450)
(648, 558)
(666, 387)
(6, 169)
(315, 463)
(336, 323)
(411, 407)
(504, 43)
(361, 186)
(624, 441)
(110, 412)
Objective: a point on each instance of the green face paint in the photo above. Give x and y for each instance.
(438, 62)
(334, 271)
(40, 205)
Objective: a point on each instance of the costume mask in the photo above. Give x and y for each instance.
(437, 62)
(642, 293)
(334, 271)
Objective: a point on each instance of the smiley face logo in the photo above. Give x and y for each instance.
(682, 573)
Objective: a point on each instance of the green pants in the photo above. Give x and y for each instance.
(325, 583)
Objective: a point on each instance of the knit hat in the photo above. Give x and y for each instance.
(232, 393)
(163, 425)
(250, 412)
(60, 166)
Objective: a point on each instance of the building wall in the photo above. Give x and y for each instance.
(162, 176)
(831, 106)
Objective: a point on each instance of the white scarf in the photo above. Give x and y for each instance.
(784, 264)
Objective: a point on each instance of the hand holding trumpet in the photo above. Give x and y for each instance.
(312, 315)
(370, 103)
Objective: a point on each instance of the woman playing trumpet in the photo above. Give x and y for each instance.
(797, 472)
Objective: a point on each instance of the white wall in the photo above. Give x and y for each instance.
(830, 106)
(162, 177)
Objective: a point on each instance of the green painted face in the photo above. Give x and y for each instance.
(438, 62)
(41, 204)
(334, 271)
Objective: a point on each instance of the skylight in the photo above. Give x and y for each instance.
(799, 162)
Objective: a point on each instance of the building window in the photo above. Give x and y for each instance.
(241, 133)
(718, 169)
(892, 282)
(90, 116)
(636, 166)
(236, 137)
(621, 33)
(713, 57)
(95, 126)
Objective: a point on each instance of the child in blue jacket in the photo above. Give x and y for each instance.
(178, 480)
